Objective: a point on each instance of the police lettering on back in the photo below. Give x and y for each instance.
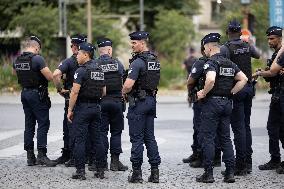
(153, 66)
(228, 72)
(97, 76)
(22, 66)
(109, 67)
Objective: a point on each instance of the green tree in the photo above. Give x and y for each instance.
(171, 34)
(102, 27)
(40, 20)
(259, 8)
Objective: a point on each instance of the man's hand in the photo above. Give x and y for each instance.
(63, 92)
(124, 96)
(200, 94)
(70, 115)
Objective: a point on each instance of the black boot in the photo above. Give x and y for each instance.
(280, 169)
(207, 176)
(92, 167)
(116, 165)
(197, 163)
(154, 177)
(42, 159)
(79, 174)
(70, 163)
(64, 157)
(31, 159)
(100, 173)
(241, 168)
(229, 175)
(136, 176)
(191, 158)
(272, 164)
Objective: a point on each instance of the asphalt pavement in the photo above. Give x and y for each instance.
(174, 136)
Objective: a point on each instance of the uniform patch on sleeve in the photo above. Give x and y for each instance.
(130, 70)
(205, 66)
(193, 70)
(75, 75)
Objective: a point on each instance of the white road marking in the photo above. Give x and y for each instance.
(18, 149)
(8, 134)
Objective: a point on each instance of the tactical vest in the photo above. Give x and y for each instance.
(92, 86)
(240, 54)
(225, 75)
(149, 79)
(200, 82)
(113, 79)
(189, 63)
(68, 82)
(27, 77)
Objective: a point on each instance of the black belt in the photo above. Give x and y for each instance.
(97, 101)
(220, 97)
(30, 89)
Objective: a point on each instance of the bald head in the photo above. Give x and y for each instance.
(105, 50)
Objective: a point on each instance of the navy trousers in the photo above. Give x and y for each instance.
(215, 119)
(113, 120)
(141, 131)
(35, 111)
(87, 121)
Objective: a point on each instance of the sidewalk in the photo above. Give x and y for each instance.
(164, 97)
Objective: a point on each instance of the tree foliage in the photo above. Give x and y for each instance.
(35, 20)
(235, 10)
(172, 33)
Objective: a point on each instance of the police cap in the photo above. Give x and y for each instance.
(86, 47)
(78, 38)
(139, 35)
(35, 38)
(274, 30)
(211, 37)
(103, 42)
(234, 26)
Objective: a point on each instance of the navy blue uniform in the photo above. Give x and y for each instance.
(275, 123)
(87, 121)
(242, 103)
(68, 67)
(112, 114)
(35, 110)
(197, 72)
(215, 120)
(141, 123)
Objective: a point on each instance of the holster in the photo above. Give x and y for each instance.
(43, 95)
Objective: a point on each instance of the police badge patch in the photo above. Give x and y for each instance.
(205, 66)
(193, 70)
(75, 75)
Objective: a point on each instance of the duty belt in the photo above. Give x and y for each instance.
(30, 89)
(97, 101)
(220, 97)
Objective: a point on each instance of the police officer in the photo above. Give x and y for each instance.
(67, 68)
(85, 110)
(195, 83)
(140, 88)
(220, 74)
(240, 53)
(112, 104)
(33, 76)
(275, 118)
